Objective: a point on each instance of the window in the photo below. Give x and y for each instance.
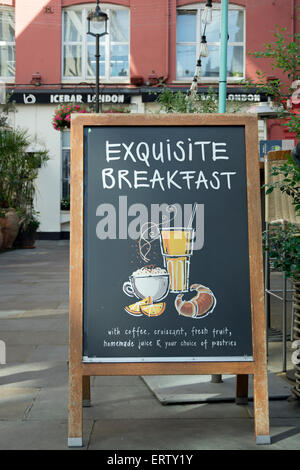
(7, 43)
(65, 171)
(189, 31)
(79, 62)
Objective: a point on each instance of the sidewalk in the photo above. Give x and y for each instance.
(125, 413)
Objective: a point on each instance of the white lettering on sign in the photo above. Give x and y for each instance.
(29, 99)
(75, 98)
(114, 98)
(168, 338)
(164, 151)
(65, 98)
(243, 97)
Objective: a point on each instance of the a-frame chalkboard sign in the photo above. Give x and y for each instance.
(166, 253)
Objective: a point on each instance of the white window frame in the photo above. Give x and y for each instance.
(66, 148)
(198, 6)
(85, 8)
(10, 78)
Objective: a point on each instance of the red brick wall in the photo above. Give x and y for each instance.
(38, 40)
(153, 35)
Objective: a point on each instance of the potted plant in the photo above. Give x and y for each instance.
(65, 204)
(9, 220)
(18, 173)
(283, 243)
(28, 231)
(284, 54)
(9, 227)
(62, 115)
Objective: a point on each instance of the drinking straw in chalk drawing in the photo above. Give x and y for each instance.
(177, 249)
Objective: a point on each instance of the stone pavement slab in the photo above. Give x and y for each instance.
(190, 434)
(191, 388)
(17, 353)
(287, 409)
(131, 402)
(34, 338)
(15, 402)
(39, 435)
(41, 375)
(51, 403)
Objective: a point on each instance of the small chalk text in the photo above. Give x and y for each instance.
(169, 338)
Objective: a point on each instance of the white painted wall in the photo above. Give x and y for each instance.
(37, 120)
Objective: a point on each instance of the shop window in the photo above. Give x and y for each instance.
(65, 169)
(189, 30)
(7, 43)
(79, 61)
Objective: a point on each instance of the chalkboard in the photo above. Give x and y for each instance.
(166, 259)
(166, 270)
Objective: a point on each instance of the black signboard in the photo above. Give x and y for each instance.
(165, 244)
(58, 97)
(166, 272)
(118, 96)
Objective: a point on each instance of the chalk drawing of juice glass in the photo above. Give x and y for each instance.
(177, 248)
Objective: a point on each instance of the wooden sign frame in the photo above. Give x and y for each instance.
(80, 372)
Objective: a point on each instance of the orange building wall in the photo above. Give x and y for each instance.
(153, 35)
(149, 37)
(38, 40)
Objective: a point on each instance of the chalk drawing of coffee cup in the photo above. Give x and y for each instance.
(144, 284)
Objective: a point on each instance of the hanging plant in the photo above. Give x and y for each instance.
(62, 115)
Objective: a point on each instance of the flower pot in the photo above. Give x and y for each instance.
(153, 79)
(9, 225)
(26, 239)
(137, 80)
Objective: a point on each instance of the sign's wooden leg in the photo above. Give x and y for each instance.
(216, 379)
(261, 407)
(86, 391)
(75, 409)
(241, 397)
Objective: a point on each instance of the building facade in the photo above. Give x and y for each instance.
(47, 59)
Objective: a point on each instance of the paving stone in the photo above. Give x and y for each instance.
(128, 403)
(119, 381)
(50, 404)
(173, 434)
(18, 353)
(41, 375)
(27, 323)
(49, 353)
(190, 434)
(4, 314)
(39, 435)
(16, 401)
(43, 312)
(281, 409)
(36, 338)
